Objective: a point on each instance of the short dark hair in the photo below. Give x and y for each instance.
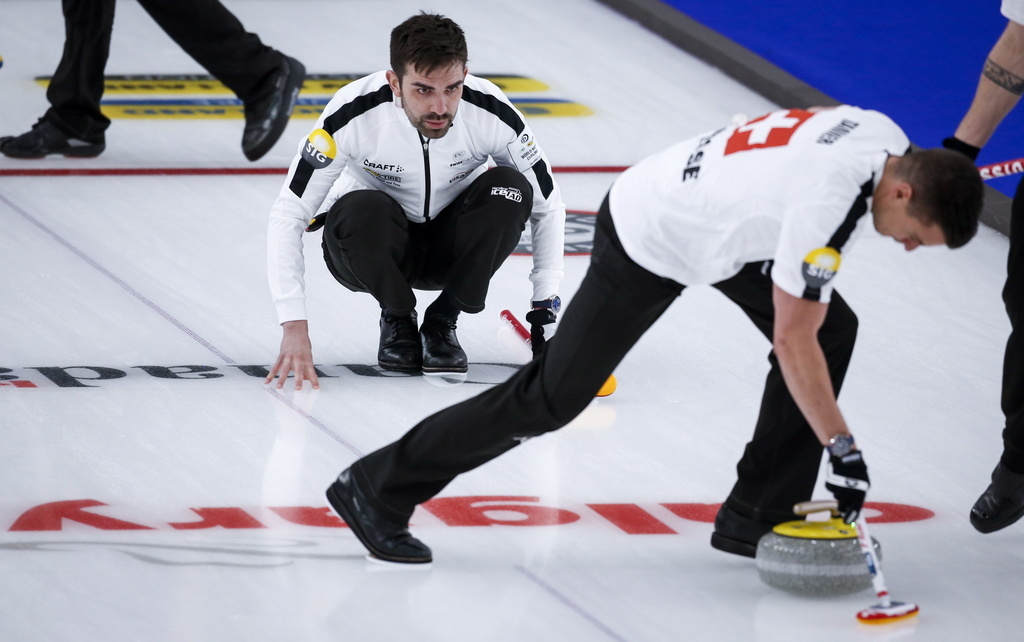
(427, 42)
(947, 190)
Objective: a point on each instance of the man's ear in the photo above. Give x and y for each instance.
(396, 84)
(903, 191)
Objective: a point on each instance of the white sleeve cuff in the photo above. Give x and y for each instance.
(291, 310)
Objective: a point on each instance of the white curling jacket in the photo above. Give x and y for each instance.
(364, 140)
(792, 186)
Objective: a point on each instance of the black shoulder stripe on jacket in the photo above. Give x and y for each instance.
(845, 229)
(357, 107)
(544, 179)
(300, 179)
(857, 210)
(500, 109)
(334, 122)
(509, 116)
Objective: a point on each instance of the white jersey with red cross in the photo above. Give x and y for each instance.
(791, 186)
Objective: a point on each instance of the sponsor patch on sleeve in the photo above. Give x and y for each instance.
(820, 266)
(525, 151)
(320, 149)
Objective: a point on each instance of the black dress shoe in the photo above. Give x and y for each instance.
(384, 538)
(441, 349)
(400, 349)
(266, 118)
(44, 139)
(1002, 503)
(737, 534)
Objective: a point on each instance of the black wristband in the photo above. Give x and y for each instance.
(957, 145)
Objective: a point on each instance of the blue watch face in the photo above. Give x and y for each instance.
(554, 304)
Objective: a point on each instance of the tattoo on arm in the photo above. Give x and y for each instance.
(1005, 79)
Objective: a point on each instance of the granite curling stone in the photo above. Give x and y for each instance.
(814, 558)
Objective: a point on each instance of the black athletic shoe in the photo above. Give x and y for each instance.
(441, 349)
(44, 139)
(384, 538)
(737, 534)
(266, 118)
(1002, 503)
(400, 349)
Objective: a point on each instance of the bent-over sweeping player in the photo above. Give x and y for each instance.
(764, 212)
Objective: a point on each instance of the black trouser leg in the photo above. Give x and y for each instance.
(366, 248)
(616, 303)
(77, 84)
(1013, 361)
(780, 464)
(474, 235)
(216, 39)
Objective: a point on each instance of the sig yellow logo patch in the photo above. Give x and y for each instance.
(320, 149)
(820, 266)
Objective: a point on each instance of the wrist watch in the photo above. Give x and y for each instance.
(552, 303)
(841, 445)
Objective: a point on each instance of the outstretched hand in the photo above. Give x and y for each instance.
(296, 356)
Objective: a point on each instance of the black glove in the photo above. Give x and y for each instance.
(317, 222)
(957, 145)
(848, 480)
(538, 318)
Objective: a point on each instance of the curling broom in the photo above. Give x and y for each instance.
(887, 610)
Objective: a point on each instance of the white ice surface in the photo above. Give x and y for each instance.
(164, 271)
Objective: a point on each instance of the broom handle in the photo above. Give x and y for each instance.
(877, 579)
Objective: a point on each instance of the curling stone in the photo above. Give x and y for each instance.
(814, 558)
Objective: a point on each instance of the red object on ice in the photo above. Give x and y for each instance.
(880, 614)
(519, 328)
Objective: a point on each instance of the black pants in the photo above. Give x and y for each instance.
(205, 29)
(1013, 361)
(370, 246)
(616, 303)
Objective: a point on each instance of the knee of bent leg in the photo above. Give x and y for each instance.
(509, 176)
(508, 189)
(557, 410)
(550, 421)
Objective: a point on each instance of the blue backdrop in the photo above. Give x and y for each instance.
(916, 60)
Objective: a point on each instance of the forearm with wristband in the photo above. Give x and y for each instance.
(957, 145)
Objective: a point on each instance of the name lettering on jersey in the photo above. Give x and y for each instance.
(820, 266)
(692, 169)
(524, 151)
(511, 193)
(771, 130)
(458, 177)
(398, 169)
(837, 132)
(320, 149)
(387, 179)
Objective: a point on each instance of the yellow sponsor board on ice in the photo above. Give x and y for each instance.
(207, 109)
(156, 96)
(163, 85)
